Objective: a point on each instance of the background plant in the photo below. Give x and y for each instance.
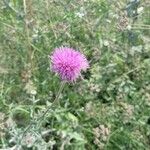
(109, 108)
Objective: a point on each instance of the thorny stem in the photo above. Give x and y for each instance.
(55, 102)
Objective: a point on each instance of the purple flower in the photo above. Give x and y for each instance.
(68, 63)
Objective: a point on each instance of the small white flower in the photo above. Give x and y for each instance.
(79, 14)
(33, 92)
(129, 27)
(140, 9)
(106, 43)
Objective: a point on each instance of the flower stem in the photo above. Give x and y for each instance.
(56, 101)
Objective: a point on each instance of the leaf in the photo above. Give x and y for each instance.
(20, 109)
(77, 136)
(72, 117)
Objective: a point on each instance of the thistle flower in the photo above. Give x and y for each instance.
(68, 63)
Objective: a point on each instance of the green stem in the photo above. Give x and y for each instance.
(56, 101)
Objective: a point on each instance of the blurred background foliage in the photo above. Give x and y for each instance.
(109, 108)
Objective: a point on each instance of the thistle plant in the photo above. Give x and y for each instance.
(68, 64)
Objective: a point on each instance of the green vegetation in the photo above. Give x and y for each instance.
(109, 108)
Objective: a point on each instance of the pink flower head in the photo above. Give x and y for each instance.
(68, 63)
